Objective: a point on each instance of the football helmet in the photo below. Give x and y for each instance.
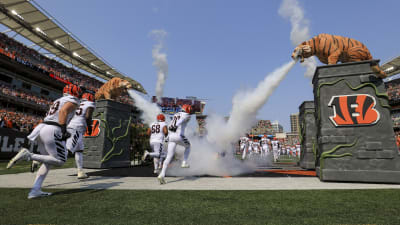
(88, 97)
(72, 89)
(160, 118)
(187, 108)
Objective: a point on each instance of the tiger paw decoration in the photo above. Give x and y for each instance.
(330, 49)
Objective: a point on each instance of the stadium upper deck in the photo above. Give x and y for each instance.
(32, 22)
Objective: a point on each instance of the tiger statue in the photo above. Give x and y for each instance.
(112, 89)
(333, 48)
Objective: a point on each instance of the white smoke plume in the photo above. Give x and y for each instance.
(245, 106)
(160, 61)
(290, 9)
(149, 110)
(205, 157)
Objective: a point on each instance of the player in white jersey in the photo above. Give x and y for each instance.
(157, 132)
(177, 136)
(244, 143)
(298, 149)
(256, 147)
(275, 148)
(51, 136)
(265, 144)
(77, 128)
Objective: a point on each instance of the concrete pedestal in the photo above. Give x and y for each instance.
(354, 128)
(308, 135)
(109, 146)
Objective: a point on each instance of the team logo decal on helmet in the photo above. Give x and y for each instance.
(160, 117)
(187, 108)
(88, 97)
(73, 90)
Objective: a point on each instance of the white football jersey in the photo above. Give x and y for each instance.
(78, 122)
(275, 145)
(180, 121)
(157, 134)
(265, 141)
(244, 140)
(52, 114)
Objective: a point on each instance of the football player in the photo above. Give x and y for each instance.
(176, 136)
(265, 144)
(244, 143)
(157, 132)
(51, 136)
(77, 128)
(275, 148)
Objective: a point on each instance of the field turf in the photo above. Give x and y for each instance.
(201, 207)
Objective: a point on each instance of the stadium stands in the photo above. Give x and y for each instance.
(22, 109)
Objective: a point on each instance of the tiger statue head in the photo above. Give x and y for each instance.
(113, 89)
(302, 51)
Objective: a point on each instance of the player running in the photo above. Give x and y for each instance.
(244, 143)
(157, 132)
(77, 128)
(51, 136)
(265, 145)
(275, 148)
(177, 136)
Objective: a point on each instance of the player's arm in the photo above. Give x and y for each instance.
(88, 117)
(66, 109)
(184, 118)
(165, 130)
(148, 132)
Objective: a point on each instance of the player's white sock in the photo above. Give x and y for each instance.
(79, 160)
(186, 154)
(154, 154)
(48, 159)
(155, 160)
(40, 176)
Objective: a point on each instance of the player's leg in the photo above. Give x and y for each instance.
(53, 151)
(170, 155)
(36, 191)
(244, 153)
(157, 147)
(186, 144)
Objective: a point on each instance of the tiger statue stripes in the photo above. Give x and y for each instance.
(333, 48)
(112, 89)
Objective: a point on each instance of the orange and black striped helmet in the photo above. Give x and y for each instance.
(88, 97)
(187, 108)
(160, 117)
(73, 90)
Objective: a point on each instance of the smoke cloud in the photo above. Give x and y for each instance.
(149, 110)
(159, 61)
(206, 153)
(290, 9)
(245, 106)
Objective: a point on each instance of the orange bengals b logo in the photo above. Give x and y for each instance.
(95, 129)
(354, 110)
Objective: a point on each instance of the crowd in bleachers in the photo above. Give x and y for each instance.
(24, 95)
(173, 105)
(18, 121)
(33, 59)
(11, 118)
(393, 91)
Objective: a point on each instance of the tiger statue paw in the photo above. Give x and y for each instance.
(112, 89)
(330, 49)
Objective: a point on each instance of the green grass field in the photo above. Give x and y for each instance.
(24, 166)
(201, 207)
